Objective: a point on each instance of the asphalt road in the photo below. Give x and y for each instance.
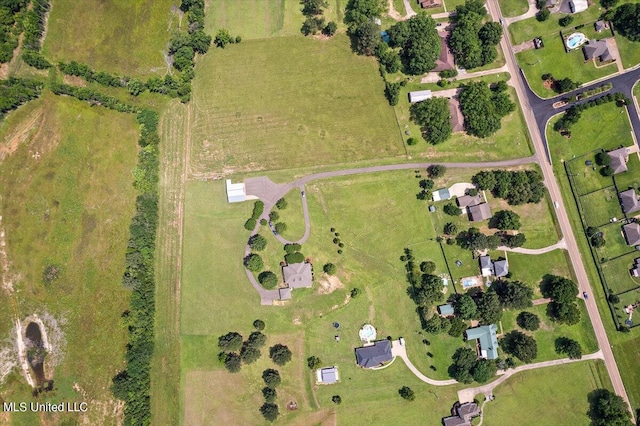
(536, 132)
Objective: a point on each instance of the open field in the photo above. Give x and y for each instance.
(601, 206)
(549, 331)
(616, 244)
(629, 51)
(558, 392)
(292, 216)
(531, 269)
(511, 8)
(67, 200)
(511, 141)
(586, 178)
(617, 273)
(257, 112)
(117, 36)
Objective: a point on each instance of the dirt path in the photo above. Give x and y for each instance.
(393, 13)
(21, 134)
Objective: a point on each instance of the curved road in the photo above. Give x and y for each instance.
(398, 350)
(531, 107)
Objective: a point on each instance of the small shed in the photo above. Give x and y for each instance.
(327, 375)
(446, 310)
(419, 95)
(441, 194)
(236, 192)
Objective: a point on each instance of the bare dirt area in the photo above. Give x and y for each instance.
(21, 133)
(74, 81)
(327, 284)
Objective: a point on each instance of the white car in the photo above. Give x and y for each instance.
(401, 340)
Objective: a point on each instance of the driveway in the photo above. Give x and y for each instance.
(398, 350)
(562, 244)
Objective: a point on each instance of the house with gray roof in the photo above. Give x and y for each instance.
(635, 271)
(486, 267)
(479, 212)
(629, 201)
(284, 293)
(446, 310)
(374, 355)
(462, 414)
(501, 268)
(619, 158)
(328, 375)
(631, 233)
(597, 49)
(600, 25)
(487, 338)
(298, 275)
(441, 194)
(468, 200)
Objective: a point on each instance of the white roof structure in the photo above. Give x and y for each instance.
(420, 95)
(236, 192)
(580, 5)
(328, 375)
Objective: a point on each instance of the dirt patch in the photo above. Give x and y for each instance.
(327, 284)
(74, 81)
(12, 141)
(548, 84)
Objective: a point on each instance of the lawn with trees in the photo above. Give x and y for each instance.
(432, 115)
(483, 107)
(418, 41)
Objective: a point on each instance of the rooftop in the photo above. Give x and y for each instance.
(629, 201)
(235, 192)
(441, 194)
(328, 375)
(479, 212)
(619, 159)
(631, 233)
(500, 268)
(446, 309)
(486, 336)
(596, 49)
(419, 95)
(298, 275)
(468, 200)
(374, 355)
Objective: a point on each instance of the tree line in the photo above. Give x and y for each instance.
(517, 187)
(16, 91)
(472, 43)
(313, 11)
(33, 24)
(11, 17)
(483, 107)
(573, 114)
(132, 385)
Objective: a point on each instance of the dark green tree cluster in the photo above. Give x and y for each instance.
(272, 380)
(472, 43)
(573, 114)
(570, 347)
(330, 268)
(524, 186)
(454, 326)
(257, 242)
(282, 204)
(293, 253)
(425, 289)
(436, 170)
(563, 307)
(473, 239)
(595, 236)
(313, 11)
(426, 185)
(389, 58)
(467, 367)
(432, 115)
(132, 385)
(16, 91)
(489, 308)
(418, 41)
(608, 409)
(513, 294)
(484, 107)
(566, 20)
(33, 22)
(364, 33)
(253, 262)
(280, 354)
(528, 321)
(627, 21)
(313, 362)
(258, 209)
(407, 393)
(11, 13)
(506, 220)
(268, 279)
(520, 345)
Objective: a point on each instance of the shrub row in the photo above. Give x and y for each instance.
(93, 97)
(10, 27)
(132, 385)
(573, 114)
(33, 24)
(16, 91)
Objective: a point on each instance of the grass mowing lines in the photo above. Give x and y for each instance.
(255, 111)
(616, 244)
(601, 206)
(67, 199)
(512, 8)
(558, 392)
(119, 36)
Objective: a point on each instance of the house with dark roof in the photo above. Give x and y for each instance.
(327, 375)
(501, 268)
(455, 116)
(468, 200)
(487, 338)
(462, 414)
(479, 212)
(446, 310)
(374, 355)
(600, 25)
(631, 233)
(597, 49)
(619, 158)
(629, 201)
(486, 267)
(635, 270)
(298, 275)
(426, 4)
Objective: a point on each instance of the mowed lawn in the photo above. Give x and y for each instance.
(557, 395)
(289, 102)
(67, 200)
(117, 36)
(511, 8)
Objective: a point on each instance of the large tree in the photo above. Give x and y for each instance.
(428, 291)
(419, 42)
(520, 345)
(608, 409)
(489, 309)
(627, 20)
(572, 348)
(366, 38)
(478, 105)
(230, 342)
(465, 307)
(528, 321)
(506, 220)
(513, 294)
(432, 115)
(464, 359)
(280, 354)
(560, 289)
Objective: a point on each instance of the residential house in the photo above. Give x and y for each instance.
(462, 414)
(597, 49)
(298, 275)
(374, 355)
(501, 268)
(479, 212)
(327, 375)
(446, 310)
(468, 200)
(419, 96)
(455, 116)
(619, 158)
(635, 271)
(629, 201)
(486, 267)
(631, 233)
(487, 338)
(441, 194)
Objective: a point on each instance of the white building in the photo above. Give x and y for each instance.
(236, 192)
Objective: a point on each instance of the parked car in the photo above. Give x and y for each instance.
(401, 340)
(585, 295)
(302, 193)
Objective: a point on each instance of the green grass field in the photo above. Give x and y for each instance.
(511, 141)
(587, 178)
(558, 392)
(254, 111)
(117, 36)
(67, 200)
(511, 8)
(617, 273)
(616, 244)
(531, 269)
(527, 29)
(601, 206)
(292, 216)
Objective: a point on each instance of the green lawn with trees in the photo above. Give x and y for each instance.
(105, 39)
(559, 392)
(270, 114)
(67, 202)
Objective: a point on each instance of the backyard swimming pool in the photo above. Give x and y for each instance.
(576, 40)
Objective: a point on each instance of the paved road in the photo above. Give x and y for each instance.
(536, 131)
(559, 245)
(398, 350)
(467, 395)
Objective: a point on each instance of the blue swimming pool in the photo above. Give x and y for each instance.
(575, 40)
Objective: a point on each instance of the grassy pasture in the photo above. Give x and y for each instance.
(601, 206)
(254, 111)
(66, 200)
(627, 355)
(531, 269)
(117, 36)
(558, 392)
